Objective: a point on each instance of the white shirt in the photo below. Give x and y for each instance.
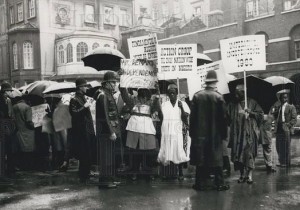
(282, 112)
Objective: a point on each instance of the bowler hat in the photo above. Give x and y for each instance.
(110, 76)
(6, 87)
(81, 82)
(211, 76)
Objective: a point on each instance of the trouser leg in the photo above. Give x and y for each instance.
(267, 152)
(219, 179)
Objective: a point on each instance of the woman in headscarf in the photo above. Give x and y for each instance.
(175, 141)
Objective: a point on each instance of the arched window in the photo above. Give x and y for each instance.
(295, 42)
(95, 45)
(106, 45)
(69, 53)
(15, 55)
(61, 56)
(266, 43)
(82, 49)
(28, 55)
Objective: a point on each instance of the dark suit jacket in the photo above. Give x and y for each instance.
(290, 115)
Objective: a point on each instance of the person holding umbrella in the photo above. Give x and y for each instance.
(107, 129)
(208, 128)
(83, 133)
(285, 116)
(244, 120)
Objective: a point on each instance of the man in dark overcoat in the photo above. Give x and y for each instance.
(207, 130)
(83, 133)
(107, 129)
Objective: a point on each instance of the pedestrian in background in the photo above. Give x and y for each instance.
(83, 133)
(244, 133)
(285, 116)
(208, 128)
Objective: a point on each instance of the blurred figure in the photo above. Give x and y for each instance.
(7, 130)
(244, 133)
(25, 133)
(175, 140)
(208, 128)
(83, 133)
(285, 116)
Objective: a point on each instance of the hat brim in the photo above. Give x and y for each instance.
(113, 80)
(84, 85)
(211, 80)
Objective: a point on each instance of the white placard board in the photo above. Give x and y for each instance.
(38, 113)
(143, 47)
(176, 61)
(244, 53)
(196, 82)
(138, 73)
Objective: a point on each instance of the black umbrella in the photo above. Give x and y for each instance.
(103, 59)
(258, 89)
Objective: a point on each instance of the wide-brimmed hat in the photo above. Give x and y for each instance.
(81, 82)
(6, 87)
(284, 91)
(211, 76)
(110, 76)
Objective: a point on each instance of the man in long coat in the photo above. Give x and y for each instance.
(208, 128)
(285, 116)
(83, 133)
(244, 133)
(107, 129)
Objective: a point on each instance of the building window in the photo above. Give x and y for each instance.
(124, 18)
(11, 15)
(106, 45)
(291, 4)
(95, 45)
(28, 55)
(20, 12)
(297, 49)
(61, 55)
(15, 55)
(82, 49)
(69, 53)
(31, 8)
(165, 10)
(108, 15)
(89, 13)
(176, 7)
(252, 8)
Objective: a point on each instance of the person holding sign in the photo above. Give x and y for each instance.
(208, 129)
(175, 141)
(244, 123)
(83, 133)
(140, 128)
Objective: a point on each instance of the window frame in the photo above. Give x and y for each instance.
(31, 3)
(18, 16)
(61, 54)
(69, 50)
(85, 15)
(297, 50)
(255, 9)
(15, 56)
(28, 55)
(81, 53)
(94, 44)
(12, 15)
(112, 19)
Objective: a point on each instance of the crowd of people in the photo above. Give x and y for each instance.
(171, 134)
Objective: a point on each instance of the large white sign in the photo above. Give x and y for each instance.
(143, 47)
(38, 113)
(244, 53)
(196, 82)
(138, 73)
(176, 61)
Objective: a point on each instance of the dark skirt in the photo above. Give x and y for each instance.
(141, 141)
(106, 156)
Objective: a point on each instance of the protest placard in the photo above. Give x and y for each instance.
(143, 47)
(196, 82)
(176, 61)
(244, 53)
(38, 113)
(62, 118)
(138, 73)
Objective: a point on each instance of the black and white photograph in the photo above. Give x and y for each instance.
(150, 104)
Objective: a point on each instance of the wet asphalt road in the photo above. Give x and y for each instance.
(35, 190)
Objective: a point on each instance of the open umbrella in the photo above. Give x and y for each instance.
(202, 59)
(61, 87)
(258, 89)
(103, 58)
(278, 80)
(37, 88)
